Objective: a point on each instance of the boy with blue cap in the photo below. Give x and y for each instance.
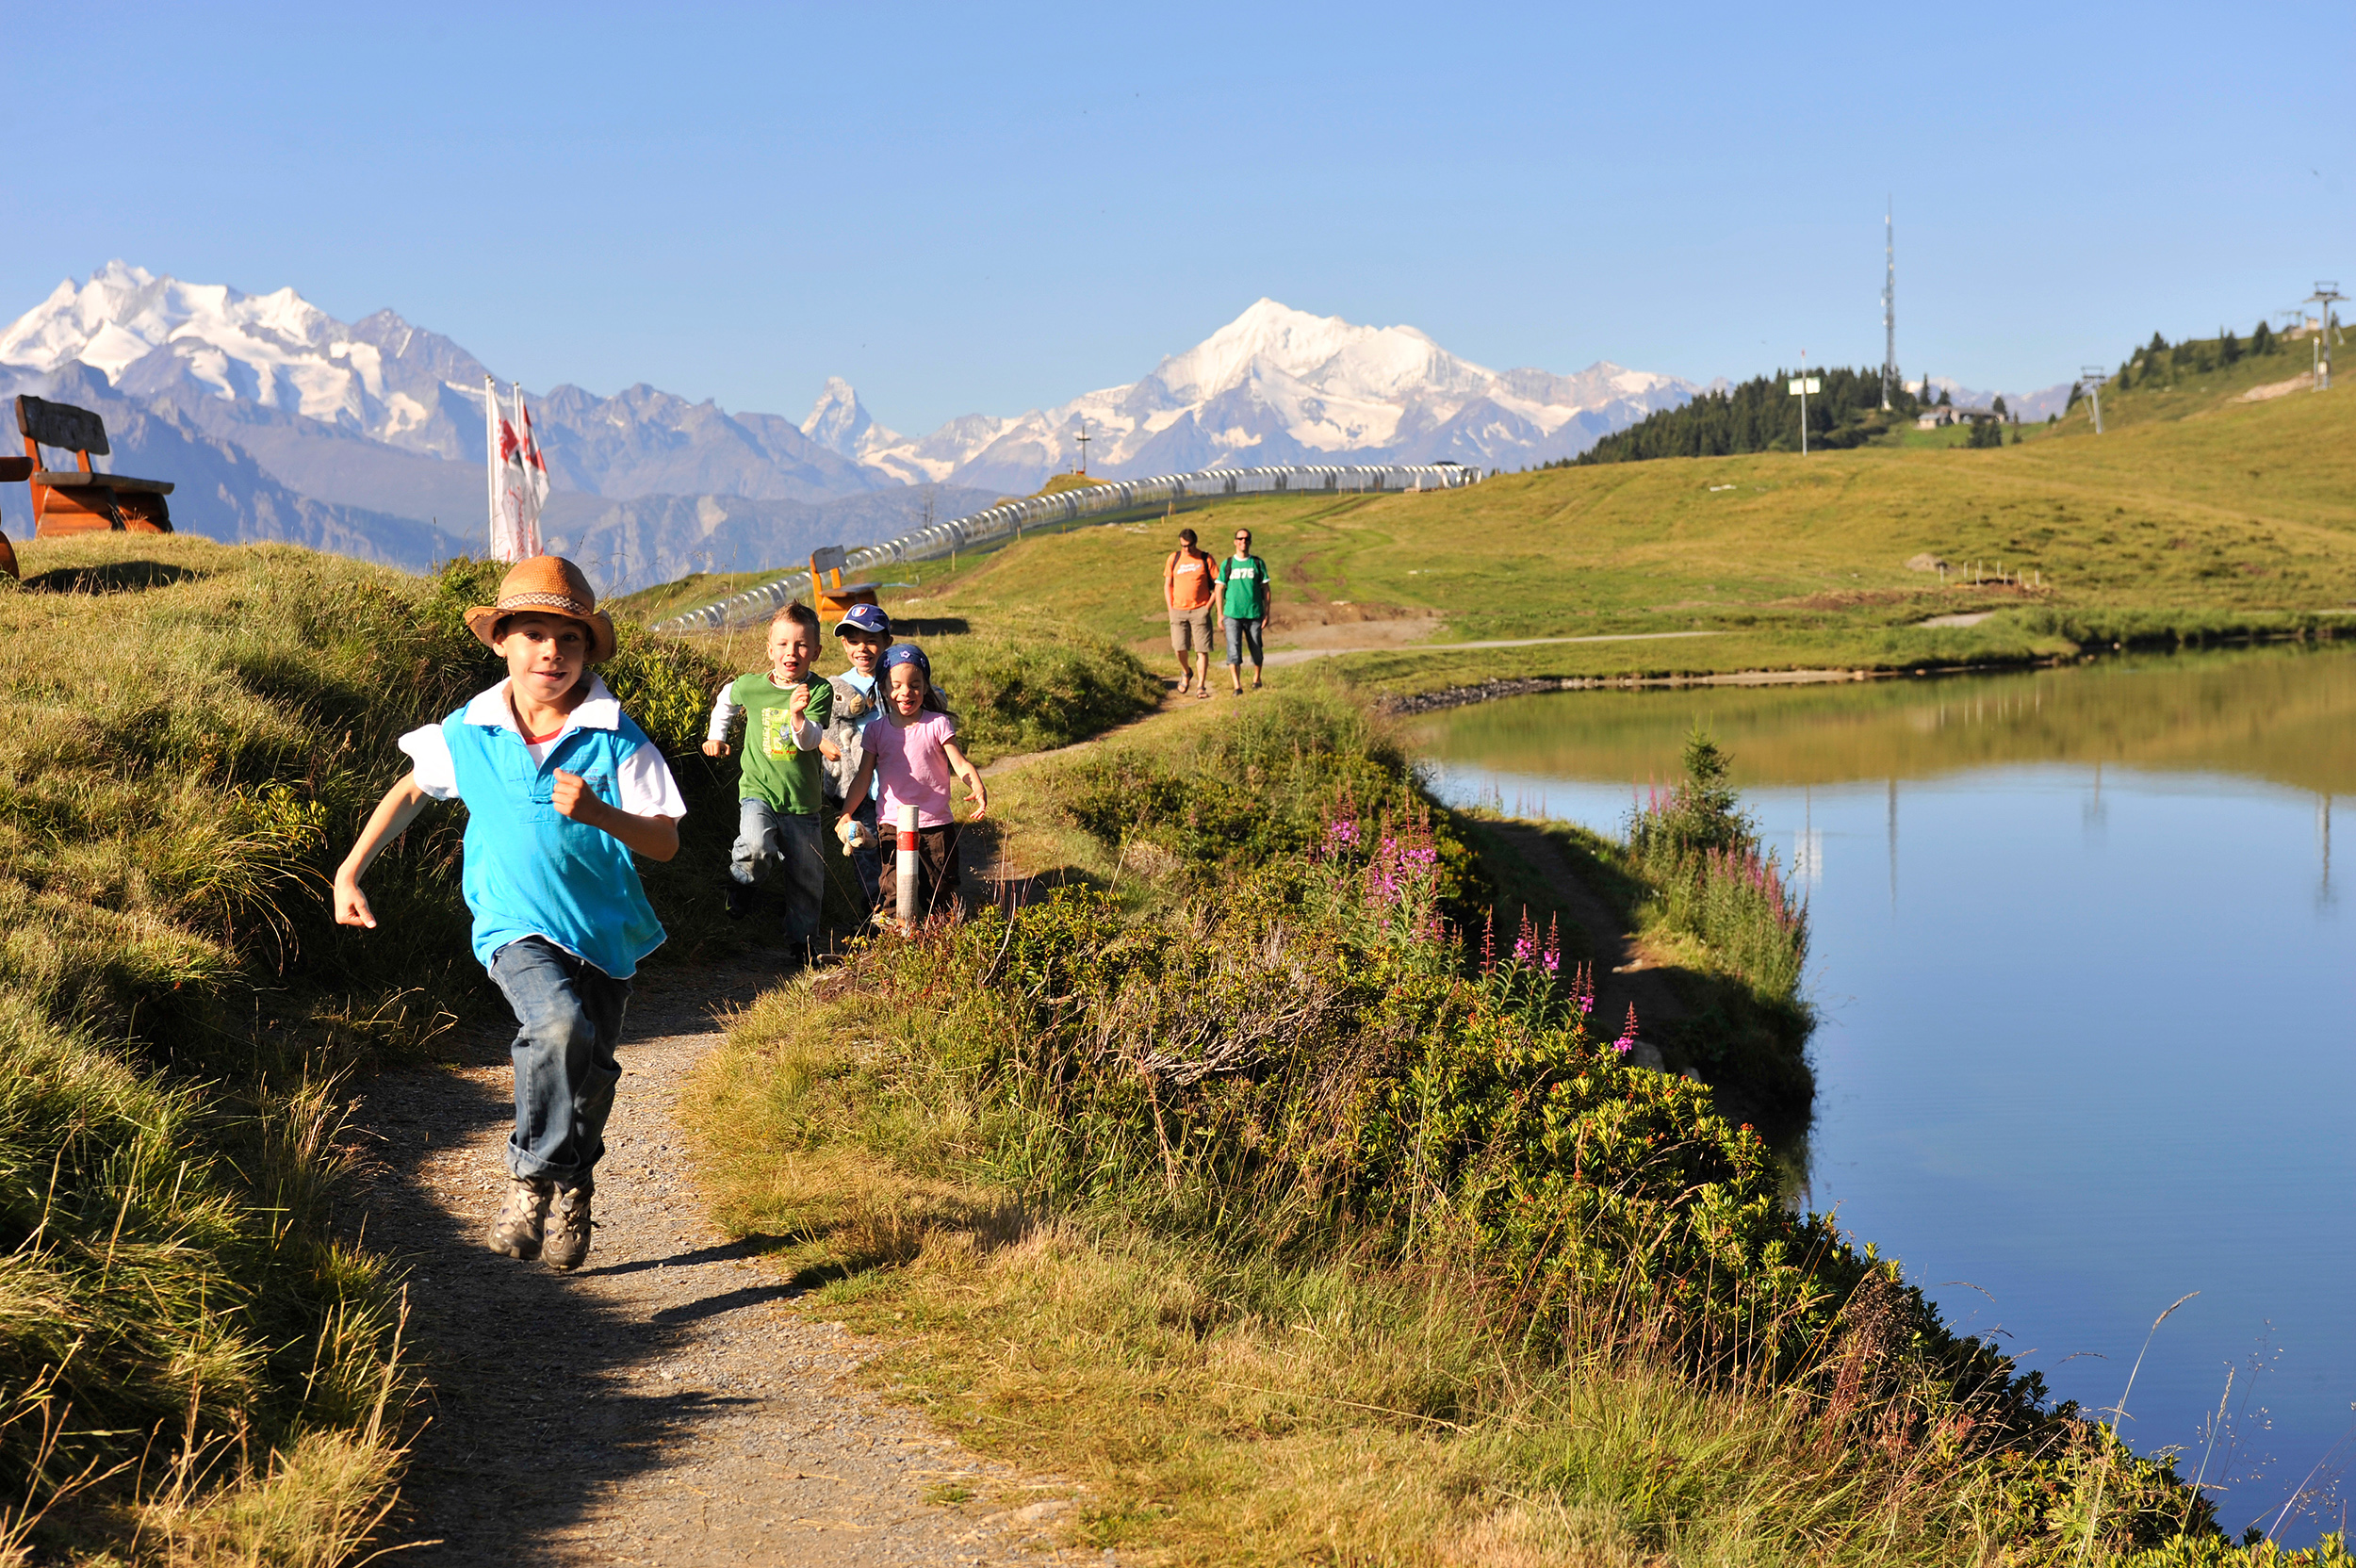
(864, 631)
(912, 753)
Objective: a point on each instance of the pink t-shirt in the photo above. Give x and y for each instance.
(912, 769)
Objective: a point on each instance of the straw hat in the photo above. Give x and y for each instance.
(547, 585)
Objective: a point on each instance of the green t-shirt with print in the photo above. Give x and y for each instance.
(775, 769)
(1244, 578)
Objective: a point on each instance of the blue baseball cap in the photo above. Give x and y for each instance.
(864, 617)
(908, 653)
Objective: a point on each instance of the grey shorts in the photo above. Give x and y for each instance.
(1190, 630)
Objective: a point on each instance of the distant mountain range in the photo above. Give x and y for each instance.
(1274, 385)
(280, 422)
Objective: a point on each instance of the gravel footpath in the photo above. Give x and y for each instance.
(665, 1404)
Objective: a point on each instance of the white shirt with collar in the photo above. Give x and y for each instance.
(645, 782)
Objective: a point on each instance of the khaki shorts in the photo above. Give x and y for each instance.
(1190, 630)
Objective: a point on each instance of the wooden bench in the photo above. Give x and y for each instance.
(81, 499)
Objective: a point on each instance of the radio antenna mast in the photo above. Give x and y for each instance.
(1889, 306)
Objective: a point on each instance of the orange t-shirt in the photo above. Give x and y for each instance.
(1187, 581)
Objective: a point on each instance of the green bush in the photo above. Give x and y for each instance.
(1298, 1068)
(1034, 688)
(1270, 782)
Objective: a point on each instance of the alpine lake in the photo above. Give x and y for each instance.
(2086, 980)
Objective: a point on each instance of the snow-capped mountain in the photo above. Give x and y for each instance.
(1275, 386)
(237, 364)
(379, 378)
(351, 432)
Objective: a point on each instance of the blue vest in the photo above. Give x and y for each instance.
(530, 872)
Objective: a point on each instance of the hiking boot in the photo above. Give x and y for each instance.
(740, 899)
(568, 1226)
(516, 1230)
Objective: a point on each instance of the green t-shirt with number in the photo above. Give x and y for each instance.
(1244, 579)
(775, 769)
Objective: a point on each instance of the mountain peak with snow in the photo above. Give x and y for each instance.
(151, 334)
(841, 423)
(1277, 384)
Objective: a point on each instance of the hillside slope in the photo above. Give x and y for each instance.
(2235, 511)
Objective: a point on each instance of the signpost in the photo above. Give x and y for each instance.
(2324, 297)
(1802, 384)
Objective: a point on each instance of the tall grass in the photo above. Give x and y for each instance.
(1700, 852)
(196, 1362)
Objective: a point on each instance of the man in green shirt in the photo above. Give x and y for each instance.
(1243, 586)
(786, 709)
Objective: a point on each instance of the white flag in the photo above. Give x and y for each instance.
(521, 484)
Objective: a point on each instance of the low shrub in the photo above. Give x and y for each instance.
(1034, 688)
(1298, 1073)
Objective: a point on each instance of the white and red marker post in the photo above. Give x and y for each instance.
(905, 870)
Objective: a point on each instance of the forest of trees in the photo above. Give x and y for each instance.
(2162, 362)
(1761, 415)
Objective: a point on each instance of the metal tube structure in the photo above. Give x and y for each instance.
(1070, 509)
(904, 869)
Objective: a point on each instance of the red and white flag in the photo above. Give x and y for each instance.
(520, 479)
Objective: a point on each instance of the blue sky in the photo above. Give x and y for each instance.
(989, 208)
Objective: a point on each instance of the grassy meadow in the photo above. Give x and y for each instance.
(2192, 517)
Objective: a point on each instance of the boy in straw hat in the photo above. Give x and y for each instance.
(560, 787)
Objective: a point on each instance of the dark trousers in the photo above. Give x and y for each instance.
(936, 872)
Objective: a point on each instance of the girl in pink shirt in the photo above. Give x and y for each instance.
(911, 754)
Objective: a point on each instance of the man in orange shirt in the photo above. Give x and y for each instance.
(1188, 586)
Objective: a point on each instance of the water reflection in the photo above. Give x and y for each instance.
(2095, 1053)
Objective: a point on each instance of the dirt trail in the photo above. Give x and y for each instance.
(662, 1405)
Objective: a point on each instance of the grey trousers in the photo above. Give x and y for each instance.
(770, 842)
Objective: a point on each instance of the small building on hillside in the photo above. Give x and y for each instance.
(1931, 418)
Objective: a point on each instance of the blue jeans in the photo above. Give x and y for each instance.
(1240, 631)
(769, 840)
(568, 1017)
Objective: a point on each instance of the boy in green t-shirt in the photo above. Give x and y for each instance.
(786, 709)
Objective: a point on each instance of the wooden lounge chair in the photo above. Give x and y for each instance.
(81, 499)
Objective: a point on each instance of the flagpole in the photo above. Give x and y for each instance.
(491, 454)
(528, 536)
